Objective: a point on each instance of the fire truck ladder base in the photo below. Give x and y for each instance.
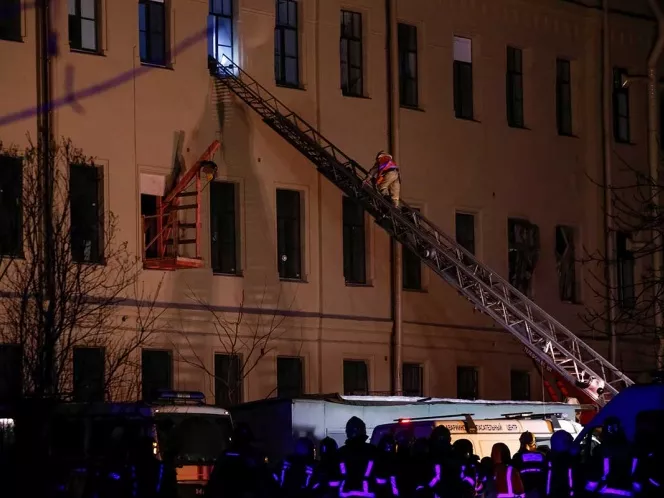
(177, 224)
(545, 339)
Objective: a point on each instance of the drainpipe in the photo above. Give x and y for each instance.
(609, 234)
(653, 159)
(393, 146)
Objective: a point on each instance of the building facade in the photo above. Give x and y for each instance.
(500, 140)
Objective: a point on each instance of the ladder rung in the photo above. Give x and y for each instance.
(187, 225)
(181, 241)
(183, 207)
(187, 194)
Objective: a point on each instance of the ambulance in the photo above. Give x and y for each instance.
(484, 433)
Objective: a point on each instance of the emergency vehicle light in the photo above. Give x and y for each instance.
(405, 421)
(193, 395)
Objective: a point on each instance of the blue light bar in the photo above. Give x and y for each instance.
(193, 395)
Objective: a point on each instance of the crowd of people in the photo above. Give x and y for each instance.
(401, 466)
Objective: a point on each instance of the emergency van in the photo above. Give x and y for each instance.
(183, 428)
(483, 433)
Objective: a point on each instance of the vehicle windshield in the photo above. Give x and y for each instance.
(193, 438)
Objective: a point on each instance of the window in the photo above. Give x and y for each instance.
(83, 33)
(563, 97)
(411, 268)
(467, 383)
(290, 379)
(156, 372)
(566, 263)
(10, 20)
(465, 231)
(412, 379)
(286, 44)
(227, 379)
(220, 30)
(620, 107)
(520, 385)
(356, 377)
(407, 40)
(351, 53)
(289, 227)
(625, 268)
(150, 225)
(523, 253)
(463, 78)
(152, 31)
(514, 87)
(223, 227)
(89, 377)
(86, 205)
(11, 372)
(11, 206)
(354, 242)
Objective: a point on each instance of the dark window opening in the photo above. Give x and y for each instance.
(407, 40)
(152, 31)
(465, 231)
(621, 131)
(10, 20)
(463, 78)
(220, 31)
(150, 230)
(564, 97)
(289, 240)
(223, 227)
(286, 44)
(412, 379)
(625, 268)
(11, 206)
(156, 372)
(514, 86)
(411, 268)
(11, 372)
(354, 242)
(351, 54)
(523, 253)
(83, 25)
(566, 263)
(290, 377)
(86, 206)
(227, 379)
(520, 385)
(356, 377)
(467, 383)
(89, 378)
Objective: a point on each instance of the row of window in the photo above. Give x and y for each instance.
(87, 234)
(84, 23)
(89, 376)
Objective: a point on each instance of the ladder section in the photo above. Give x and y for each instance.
(546, 339)
(172, 237)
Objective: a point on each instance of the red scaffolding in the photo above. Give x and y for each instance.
(168, 242)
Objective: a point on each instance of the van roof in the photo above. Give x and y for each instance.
(496, 426)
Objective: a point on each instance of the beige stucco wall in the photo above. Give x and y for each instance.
(447, 164)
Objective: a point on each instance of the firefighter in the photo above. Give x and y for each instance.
(385, 174)
(295, 477)
(357, 461)
(532, 466)
(388, 469)
(240, 471)
(467, 462)
(443, 470)
(326, 473)
(614, 466)
(562, 467)
(506, 482)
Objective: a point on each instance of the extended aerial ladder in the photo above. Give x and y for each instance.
(168, 233)
(546, 339)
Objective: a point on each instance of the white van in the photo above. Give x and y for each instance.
(483, 433)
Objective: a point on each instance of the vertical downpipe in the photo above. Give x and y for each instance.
(609, 235)
(321, 273)
(653, 159)
(392, 64)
